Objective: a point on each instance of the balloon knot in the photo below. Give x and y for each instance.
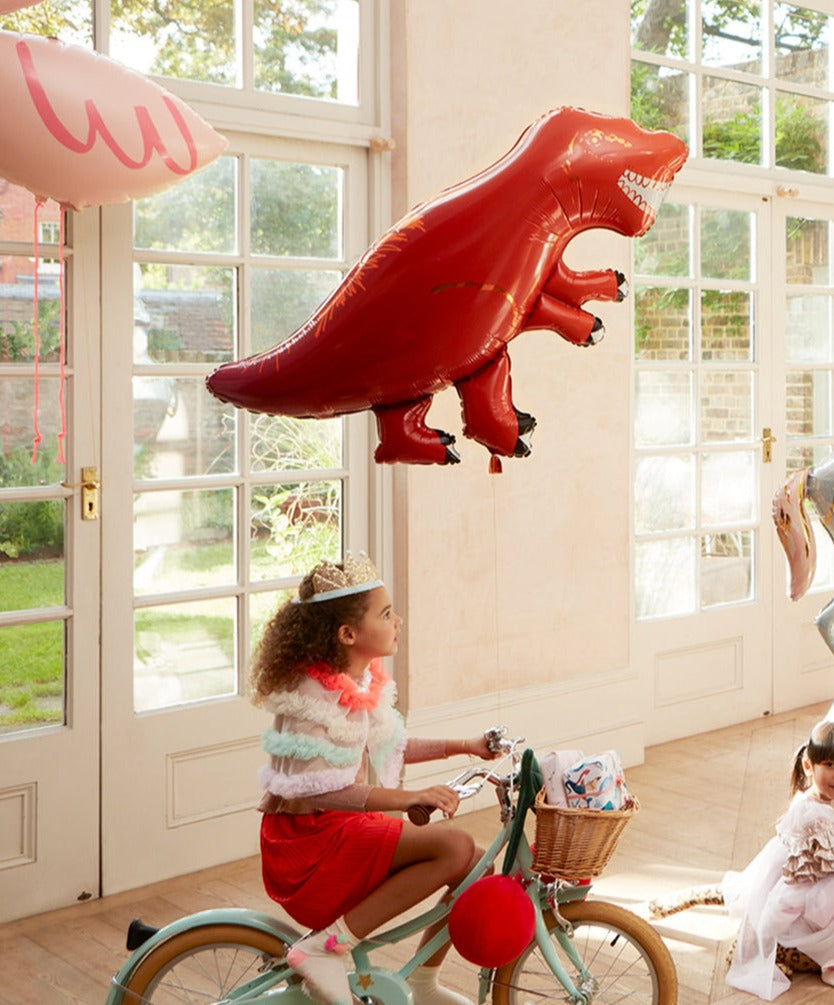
(495, 467)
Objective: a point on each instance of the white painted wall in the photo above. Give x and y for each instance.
(516, 587)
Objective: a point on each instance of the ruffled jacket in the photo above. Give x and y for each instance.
(326, 733)
(808, 835)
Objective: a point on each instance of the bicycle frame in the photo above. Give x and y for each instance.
(272, 985)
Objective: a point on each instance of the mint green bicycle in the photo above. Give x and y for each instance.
(583, 950)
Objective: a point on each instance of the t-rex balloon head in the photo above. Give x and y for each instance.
(609, 172)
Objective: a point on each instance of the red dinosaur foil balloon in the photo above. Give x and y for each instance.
(437, 298)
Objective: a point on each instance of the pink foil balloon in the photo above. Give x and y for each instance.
(795, 533)
(7, 6)
(84, 130)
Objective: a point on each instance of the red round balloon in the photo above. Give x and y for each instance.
(492, 921)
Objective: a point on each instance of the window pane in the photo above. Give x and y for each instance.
(732, 121)
(183, 540)
(726, 325)
(187, 311)
(802, 132)
(808, 402)
(731, 35)
(727, 244)
(18, 213)
(283, 299)
(282, 443)
(726, 568)
(665, 577)
(31, 675)
(805, 455)
(21, 421)
(664, 494)
(69, 21)
(808, 329)
(193, 435)
(294, 526)
(667, 34)
(665, 249)
(726, 406)
(17, 335)
(663, 408)
(728, 488)
(178, 38)
(802, 39)
(662, 325)
(308, 47)
(660, 98)
(808, 251)
(261, 608)
(184, 653)
(296, 209)
(824, 572)
(197, 214)
(31, 554)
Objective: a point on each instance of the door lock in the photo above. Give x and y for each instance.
(89, 493)
(768, 439)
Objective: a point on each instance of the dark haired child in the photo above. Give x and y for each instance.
(332, 853)
(785, 896)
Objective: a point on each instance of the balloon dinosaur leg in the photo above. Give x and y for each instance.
(404, 436)
(489, 415)
(572, 323)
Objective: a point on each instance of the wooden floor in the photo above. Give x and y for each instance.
(708, 803)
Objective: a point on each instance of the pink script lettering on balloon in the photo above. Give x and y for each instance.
(150, 135)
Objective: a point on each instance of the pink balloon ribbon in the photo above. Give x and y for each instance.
(62, 340)
(36, 334)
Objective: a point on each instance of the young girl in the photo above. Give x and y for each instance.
(785, 896)
(332, 855)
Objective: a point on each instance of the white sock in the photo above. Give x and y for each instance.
(428, 991)
(322, 959)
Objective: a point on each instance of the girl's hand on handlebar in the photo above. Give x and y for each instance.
(435, 797)
(479, 747)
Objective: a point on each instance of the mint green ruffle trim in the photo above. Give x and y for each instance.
(307, 748)
(381, 755)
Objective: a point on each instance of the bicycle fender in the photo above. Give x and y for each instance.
(216, 916)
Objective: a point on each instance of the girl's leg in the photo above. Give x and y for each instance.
(426, 859)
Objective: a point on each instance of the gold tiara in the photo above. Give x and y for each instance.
(355, 576)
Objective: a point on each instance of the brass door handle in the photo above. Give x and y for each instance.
(768, 439)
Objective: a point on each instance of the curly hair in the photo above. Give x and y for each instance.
(300, 634)
(819, 748)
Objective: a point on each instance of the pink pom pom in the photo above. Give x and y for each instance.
(336, 943)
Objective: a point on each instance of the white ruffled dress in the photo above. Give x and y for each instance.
(785, 897)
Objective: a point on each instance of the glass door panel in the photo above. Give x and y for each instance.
(49, 556)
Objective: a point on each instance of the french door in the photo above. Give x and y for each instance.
(183, 523)
(803, 308)
(729, 397)
(50, 559)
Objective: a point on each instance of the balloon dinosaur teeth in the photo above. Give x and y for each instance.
(646, 193)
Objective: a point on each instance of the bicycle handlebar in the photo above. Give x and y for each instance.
(469, 782)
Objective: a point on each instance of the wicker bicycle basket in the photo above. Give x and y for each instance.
(577, 843)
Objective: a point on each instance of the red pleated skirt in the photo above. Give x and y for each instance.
(317, 866)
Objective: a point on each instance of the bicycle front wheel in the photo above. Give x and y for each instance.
(625, 958)
(203, 965)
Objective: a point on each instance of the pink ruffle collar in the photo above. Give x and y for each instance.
(353, 696)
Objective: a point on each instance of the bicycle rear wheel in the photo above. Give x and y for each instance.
(626, 958)
(203, 965)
